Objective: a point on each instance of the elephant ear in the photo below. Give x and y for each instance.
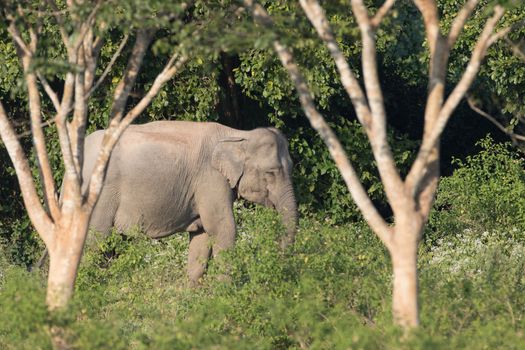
(228, 157)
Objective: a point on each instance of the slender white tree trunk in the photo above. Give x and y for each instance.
(407, 233)
(405, 287)
(64, 259)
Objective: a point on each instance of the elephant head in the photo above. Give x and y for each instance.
(258, 165)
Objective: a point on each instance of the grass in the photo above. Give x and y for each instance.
(330, 291)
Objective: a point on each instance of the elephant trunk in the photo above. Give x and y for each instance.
(287, 207)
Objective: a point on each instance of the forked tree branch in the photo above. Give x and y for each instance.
(53, 95)
(370, 213)
(381, 13)
(25, 52)
(417, 171)
(43, 223)
(71, 136)
(479, 52)
(86, 26)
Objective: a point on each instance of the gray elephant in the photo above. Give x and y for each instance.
(176, 176)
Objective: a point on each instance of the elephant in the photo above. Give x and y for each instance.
(180, 176)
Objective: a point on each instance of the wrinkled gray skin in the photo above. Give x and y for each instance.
(175, 176)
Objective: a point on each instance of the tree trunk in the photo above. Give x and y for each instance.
(405, 283)
(404, 299)
(64, 258)
(229, 99)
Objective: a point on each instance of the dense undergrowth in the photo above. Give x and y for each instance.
(331, 290)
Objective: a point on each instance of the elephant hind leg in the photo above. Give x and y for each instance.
(103, 217)
(198, 255)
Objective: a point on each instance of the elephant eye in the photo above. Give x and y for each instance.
(270, 175)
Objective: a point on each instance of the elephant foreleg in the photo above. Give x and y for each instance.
(215, 207)
(198, 255)
(223, 238)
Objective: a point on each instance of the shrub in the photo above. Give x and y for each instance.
(331, 290)
(318, 182)
(24, 316)
(486, 192)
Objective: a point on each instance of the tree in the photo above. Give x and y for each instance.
(84, 28)
(410, 198)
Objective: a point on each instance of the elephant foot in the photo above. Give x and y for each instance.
(195, 283)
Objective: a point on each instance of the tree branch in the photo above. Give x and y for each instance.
(514, 137)
(37, 214)
(459, 21)
(109, 66)
(317, 17)
(429, 10)
(17, 38)
(39, 142)
(49, 90)
(479, 52)
(25, 52)
(77, 128)
(125, 85)
(429, 141)
(60, 21)
(390, 176)
(71, 185)
(86, 26)
(375, 121)
(381, 13)
(423, 189)
(28, 132)
(117, 127)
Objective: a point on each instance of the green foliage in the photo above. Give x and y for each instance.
(328, 291)
(486, 192)
(319, 185)
(24, 316)
(480, 274)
